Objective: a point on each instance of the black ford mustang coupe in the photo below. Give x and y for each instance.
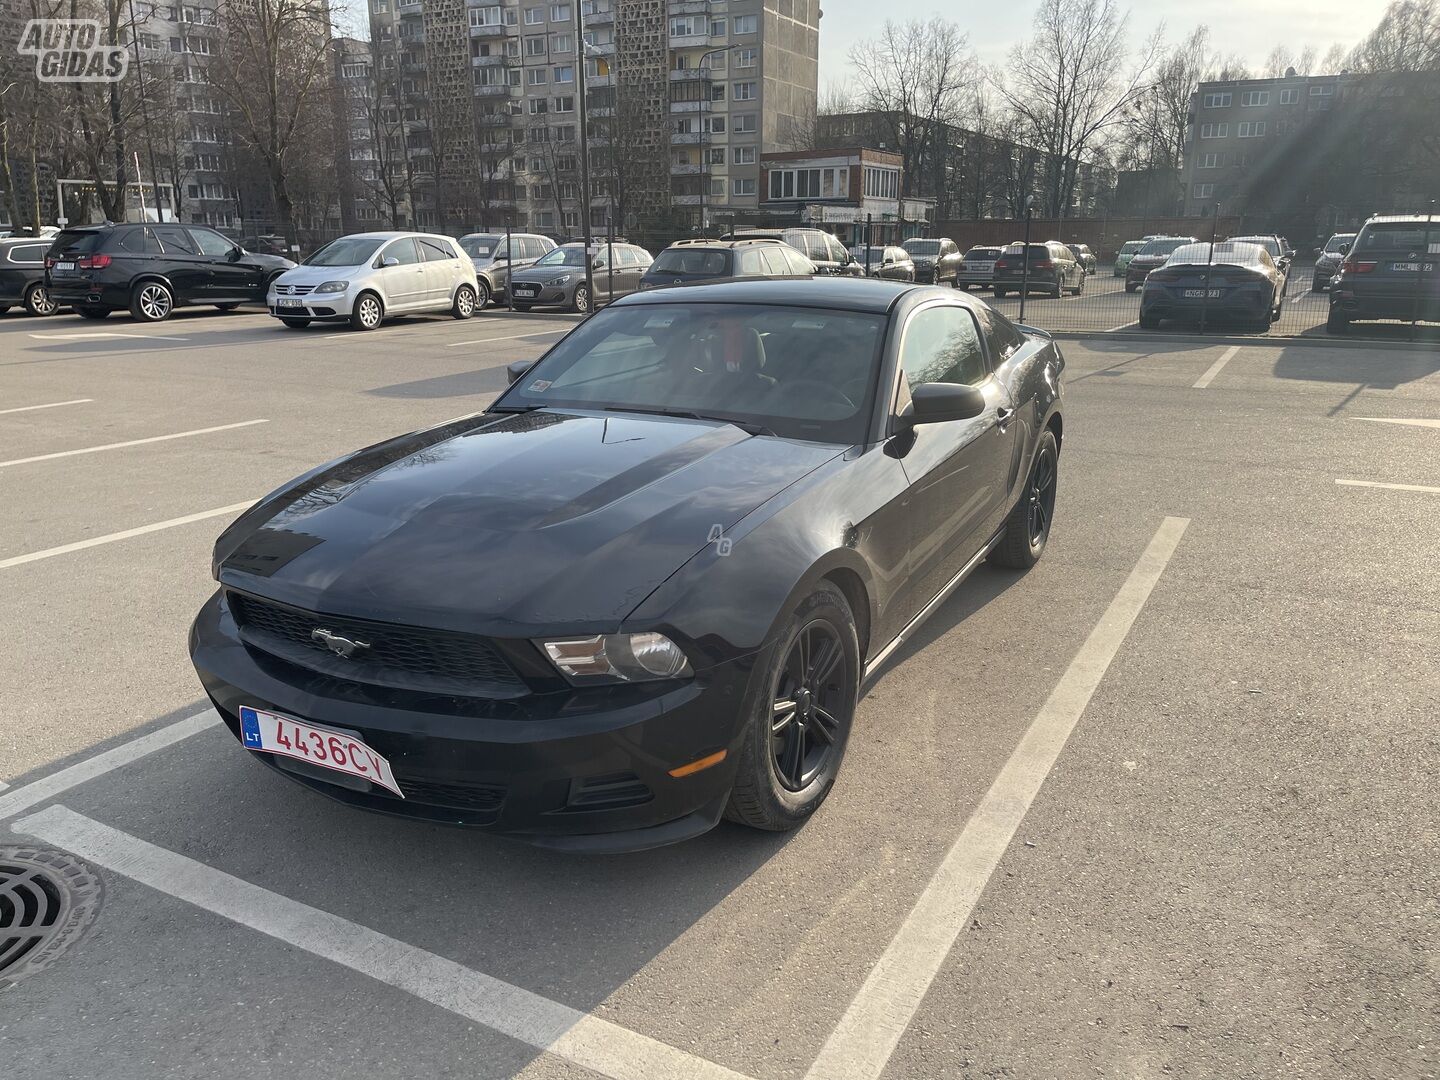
(643, 589)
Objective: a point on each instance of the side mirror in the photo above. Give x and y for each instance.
(389, 261)
(517, 369)
(935, 403)
(236, 254)
(1290, 254)
(1344, 249)
(598, 264)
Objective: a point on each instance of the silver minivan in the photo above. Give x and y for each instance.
(495, 258)
(368, 277)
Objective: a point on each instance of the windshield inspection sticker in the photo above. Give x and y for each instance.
(539, 386)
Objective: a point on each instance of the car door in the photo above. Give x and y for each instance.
(234, 276)
(182, 264)
(442, 271)
(404, 283)
(958, 470)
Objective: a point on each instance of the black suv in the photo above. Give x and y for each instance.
(824, 250)
(1390, 272)
(154, 268)
(1053, 268)
(691, 262)
(22, 275)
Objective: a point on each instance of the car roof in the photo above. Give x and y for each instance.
(1401, 219)
(869, 295)
(692, 245)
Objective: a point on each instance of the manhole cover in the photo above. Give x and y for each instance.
(48, 901)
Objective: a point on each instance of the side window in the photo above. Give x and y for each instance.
(434, 251)
(1004, 338)
(403, 250)
(799, 264)
(140, 242)
(27, 253)
(750, 264)
(211, 243)
(175, 240)
(525, 248)
(643, 258)
(629, 257)
(837, 249)
(942, 344)
(815, 246)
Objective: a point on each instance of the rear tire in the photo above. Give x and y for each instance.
(38, 302)
(1149, 322)
(226, 307)
(367, 313)
(1000, 294)
(1130, 288)
(482, 296)
(788, 760)
(93, 312)
(151, 302)
(1028, 527)
(1337, 323)
(1078, 289)
(295, 324)
(464, 305)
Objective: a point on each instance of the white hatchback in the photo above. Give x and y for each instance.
(368, 277)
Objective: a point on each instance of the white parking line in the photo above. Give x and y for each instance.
(103, 334)
(130, 442)
(872, 1026)
(1214, 369)
(508, 337)
(51, 405)
(1388, 487)
(1397, 420)
(57, 783)
(592, 1043)
(126, 534)
(1122, 326)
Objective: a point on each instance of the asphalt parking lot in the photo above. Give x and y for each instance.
(1163, 806)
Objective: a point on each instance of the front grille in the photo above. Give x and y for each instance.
(293, 290)
(387, 654)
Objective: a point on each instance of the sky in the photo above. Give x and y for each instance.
(1250, 28)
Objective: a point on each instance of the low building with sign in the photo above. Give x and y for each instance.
(841, 190)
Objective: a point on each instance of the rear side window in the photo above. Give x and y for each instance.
(435, 250)
(140, 242)
(942, 344)
(74, 240)
(708, 262)
(1004, 338)
(27, 253)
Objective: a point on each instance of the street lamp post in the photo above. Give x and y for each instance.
(705, 141)
(1025, 256)
(584, 153)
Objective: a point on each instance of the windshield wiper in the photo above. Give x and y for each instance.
(513, 408)
(746, 426)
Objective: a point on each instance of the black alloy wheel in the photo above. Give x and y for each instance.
(1041, 496)
(804, 725)
(1027, 529)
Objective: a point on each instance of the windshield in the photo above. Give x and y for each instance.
(481, 247)
(1269, 243)
(707, 262)
(347, 251)
(77, 240)
(803, 373)
(562, 256)
(1392, 236)
(982, 253)
(1162, 247)
(1338, 241)
(1130, 247)
(1231, 252)
(922, 247)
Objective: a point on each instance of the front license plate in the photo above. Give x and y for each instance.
(65, 266)
(527, 290)
(283, 302)
(1198, 294)
(271, 733)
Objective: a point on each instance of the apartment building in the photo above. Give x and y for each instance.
(684, 96)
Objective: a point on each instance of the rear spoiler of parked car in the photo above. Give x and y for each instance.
(1026, 328)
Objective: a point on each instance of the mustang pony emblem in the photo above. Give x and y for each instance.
(343, 647)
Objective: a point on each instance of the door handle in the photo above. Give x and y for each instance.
(1004, 416)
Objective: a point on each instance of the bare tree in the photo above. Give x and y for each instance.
(1068, 85)
(275, 59)
(1407, 38)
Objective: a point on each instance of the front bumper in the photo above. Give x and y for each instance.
(548, 295)
(576, 769)
(312, 305)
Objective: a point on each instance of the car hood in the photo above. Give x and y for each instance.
(314, 275)
(510, 525)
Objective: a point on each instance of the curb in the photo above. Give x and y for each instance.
(1150, 337)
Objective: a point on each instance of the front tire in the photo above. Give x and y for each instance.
(1130, 288)
(37, 300)
(1000, 294)
(482, 296)
(1149, 322)
(794, 742)
(151, 302)
(464, 305)
(581, 301)
(294, 324)
(1028, 527)
(367, 313)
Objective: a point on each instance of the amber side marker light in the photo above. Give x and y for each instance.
(698, 764)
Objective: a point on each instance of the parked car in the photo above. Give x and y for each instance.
(1278, 247)
(887, 261)
(936, 261)
(1327, 263)
(691, 262)
(821, 248)
(370, 277)
(269, 244)
(1053, 269)
(152, 269)
(45, 232)
(585, 617)
(1388, 273)
(1128, 251)
(977, 269)
(1084, 256)
(22, 275)
(558, 278)
(495, 259)
(1238, 283)
(1153, 254)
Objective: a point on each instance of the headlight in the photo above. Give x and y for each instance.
(627, 657)
(561, 280)
(332, 286)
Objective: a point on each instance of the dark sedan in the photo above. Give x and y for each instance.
(1052, 269)
(1237, 283)
(642, 589)
(1153, 254)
